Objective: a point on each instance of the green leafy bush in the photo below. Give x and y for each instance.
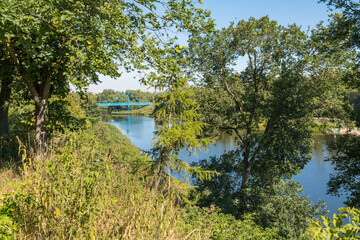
(210, 223)
(7, 226)
(88, 188)
(337, 229)
(94, 185)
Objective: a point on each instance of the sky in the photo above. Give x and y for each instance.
(305, 13)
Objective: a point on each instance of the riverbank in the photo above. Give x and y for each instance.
(145, 111)
(94, 185)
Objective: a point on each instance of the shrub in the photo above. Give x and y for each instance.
(337, 229)
(93, 186)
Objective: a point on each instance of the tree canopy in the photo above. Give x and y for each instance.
(344, 28)
(289, 78)
(57, 43)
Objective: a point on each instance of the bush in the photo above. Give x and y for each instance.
(210, 223)
(8, 228)
(88, 189)
(93, 186)
(337, 229)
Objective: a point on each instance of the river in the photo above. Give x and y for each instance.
(314, 177)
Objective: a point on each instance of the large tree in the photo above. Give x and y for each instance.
(57, 43)
(269, 105)
(269, 92)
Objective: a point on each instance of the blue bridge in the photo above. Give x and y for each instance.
(126, 101)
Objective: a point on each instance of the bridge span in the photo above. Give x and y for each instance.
(124, 104)
(126, 101)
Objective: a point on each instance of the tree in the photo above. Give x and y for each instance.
(269, 105)
(55, 43)
(177, 123)
(271, 94)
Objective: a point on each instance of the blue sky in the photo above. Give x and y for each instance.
(302, 12)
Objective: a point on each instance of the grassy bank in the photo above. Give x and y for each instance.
(94, 185)
(145, 111)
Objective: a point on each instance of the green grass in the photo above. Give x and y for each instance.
(145, 111)
(94, 184)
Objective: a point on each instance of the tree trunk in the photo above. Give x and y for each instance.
(246, 171)
(245, 175)
(5, 94)
(244, 185)
(42, 115)
(164, 154)
(40, 97)
(158, 179)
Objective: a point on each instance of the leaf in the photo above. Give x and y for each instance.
(327, 221)
(57, 212)
(337, 221)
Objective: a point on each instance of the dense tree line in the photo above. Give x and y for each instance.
(121, 96)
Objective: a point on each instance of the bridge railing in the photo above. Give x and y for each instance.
(125, 104)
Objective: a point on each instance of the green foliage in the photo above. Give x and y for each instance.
(346, 160)
(177, 127)
(8, 228)
(337, 228)
(83, 107)
(284, 207)
(92, 186)
(273, 93)
(86, 190)
(54, 44)
(21, 127)
(275, 204)
(346, 24)
(62, 118)
(269, 106)
(21, 116)
(209, 223)
(334, 65)
(177, 124)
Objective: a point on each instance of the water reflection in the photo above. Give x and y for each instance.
(314, 177)
(138, 128)
(317, 172)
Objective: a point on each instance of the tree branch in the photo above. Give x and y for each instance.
(16, 60)
(233, 97)
(234, 129)
(268, 126)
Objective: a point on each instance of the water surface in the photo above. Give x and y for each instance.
(314, 177)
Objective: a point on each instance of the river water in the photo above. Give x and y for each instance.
(314, 177)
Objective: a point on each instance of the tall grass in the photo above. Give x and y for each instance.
(93, 186)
